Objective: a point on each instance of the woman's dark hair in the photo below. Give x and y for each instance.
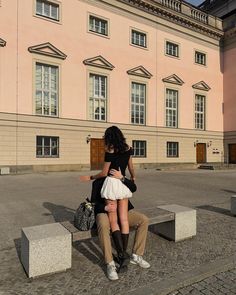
(114, 139)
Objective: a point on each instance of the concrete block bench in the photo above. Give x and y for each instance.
(45, 249)
(174, 222)
(233, 205)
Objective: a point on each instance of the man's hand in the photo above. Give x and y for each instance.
(84, 178)
(111, 207)
(116, 173)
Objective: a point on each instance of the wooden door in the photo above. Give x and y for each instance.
(201, 153)
(97, 152)
(232, 153)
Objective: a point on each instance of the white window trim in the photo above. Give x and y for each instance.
(102, 18)
(178, 103)
(169, 156)
(145, 150)
(47, 61)
(203, 52)
(43, 146)
(174, 42)
(204, 115)
(59, 3)
(142, 32)
(145, 104)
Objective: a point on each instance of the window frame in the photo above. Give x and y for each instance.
(144, 148)
(138, 104)
(173, 43)
(177, 107)
(46, 63)
(43, 137)
(200, 52)
(99, 18)
(92, 118)
(55, 2)
(198, 112)
(140, 32)
(172, 149)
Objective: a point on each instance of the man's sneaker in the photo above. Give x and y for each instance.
(111, 271)
(136, 259)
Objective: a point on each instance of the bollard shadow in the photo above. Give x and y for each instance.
(215, 209)
(17, 243)
(59, 212)
(229, 191)
(91, 250)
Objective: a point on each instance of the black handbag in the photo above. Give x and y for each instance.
(84, 218)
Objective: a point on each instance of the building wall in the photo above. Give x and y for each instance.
(22, 29)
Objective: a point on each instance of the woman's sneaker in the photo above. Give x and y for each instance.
(111, 271)
(137, 259)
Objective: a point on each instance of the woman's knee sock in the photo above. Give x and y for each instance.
(117, 238)
(125, 240)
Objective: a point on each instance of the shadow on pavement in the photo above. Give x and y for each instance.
(215, 209)
(229, 191)
(60, 213)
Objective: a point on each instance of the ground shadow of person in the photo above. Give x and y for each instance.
(59, 212)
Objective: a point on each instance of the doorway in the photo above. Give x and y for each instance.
(201, 153)
(232, 153)
(97, 152)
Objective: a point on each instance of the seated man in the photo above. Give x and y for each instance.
(136, 219)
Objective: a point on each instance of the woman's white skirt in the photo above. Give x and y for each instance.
(114, 189)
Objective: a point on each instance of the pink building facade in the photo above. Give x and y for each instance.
(70, 69)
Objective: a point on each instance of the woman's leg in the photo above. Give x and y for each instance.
(124, 222)
(113, 217)
(123, 215)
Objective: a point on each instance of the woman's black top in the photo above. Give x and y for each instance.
(119, 160)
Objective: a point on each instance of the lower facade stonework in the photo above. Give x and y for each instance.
(36, 144)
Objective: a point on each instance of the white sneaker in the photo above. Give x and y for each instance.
(137, 259)
(111, 271)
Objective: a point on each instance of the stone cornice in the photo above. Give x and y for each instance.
(157, 9)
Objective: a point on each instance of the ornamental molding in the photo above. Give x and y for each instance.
(140, 71)
(99, 62)
(2, 42)
(201, 86)
(185, 20)
(47, 49)
(173, 79)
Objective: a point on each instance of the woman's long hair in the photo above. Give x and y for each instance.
(114, 139)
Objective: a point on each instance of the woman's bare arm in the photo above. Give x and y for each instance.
(101, 174)
(131, 169)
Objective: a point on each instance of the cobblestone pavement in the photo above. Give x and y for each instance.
(28, 200)
(220, 284)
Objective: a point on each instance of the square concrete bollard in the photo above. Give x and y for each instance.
(233, 204)
(183, 227)
(45, 249)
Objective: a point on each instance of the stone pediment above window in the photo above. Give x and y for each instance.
(140, 71)
(2, 42)
(99, 62)
(201, 86)
(47, 49)
(173, 79)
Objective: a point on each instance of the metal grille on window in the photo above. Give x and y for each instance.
(98, 97)
(138, 103)
(172, 149)
(46, 90)
(139, 147)
(47, 146)
(171, 107)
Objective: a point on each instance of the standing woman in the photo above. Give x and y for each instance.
(117, 157)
